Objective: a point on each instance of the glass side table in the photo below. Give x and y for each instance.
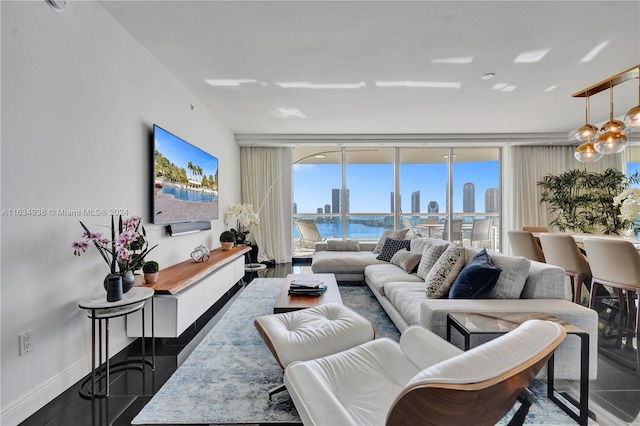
(99, 310)
(468, 324)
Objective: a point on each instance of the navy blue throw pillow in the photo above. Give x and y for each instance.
(476, 279)
(391, 246)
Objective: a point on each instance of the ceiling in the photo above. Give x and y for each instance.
(393, 67)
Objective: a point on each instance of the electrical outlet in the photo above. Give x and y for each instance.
(26, 342)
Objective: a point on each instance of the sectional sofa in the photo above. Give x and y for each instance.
(406, 291)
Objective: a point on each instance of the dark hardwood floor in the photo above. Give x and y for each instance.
(614, 396)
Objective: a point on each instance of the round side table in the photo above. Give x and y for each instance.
(99, 310)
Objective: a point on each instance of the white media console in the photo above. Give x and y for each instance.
(187, 290)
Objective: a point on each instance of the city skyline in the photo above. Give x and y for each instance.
(370, 185)
(492, 200)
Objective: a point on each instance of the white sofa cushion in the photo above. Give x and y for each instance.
(406, 297)
(377, 276)
(348, 262)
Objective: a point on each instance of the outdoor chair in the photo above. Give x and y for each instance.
(524, 244)
(456, 230)
(423, 380)
(481, 232)
(309, 234)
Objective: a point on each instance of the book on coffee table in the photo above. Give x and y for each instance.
(308, 291)
(306, 284)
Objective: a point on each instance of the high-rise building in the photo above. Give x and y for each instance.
(295, 208)
(415, 202)
(469, 198)
(336, 200)
(492, 200)
(433, 207)
(319, 210)
(327, 208)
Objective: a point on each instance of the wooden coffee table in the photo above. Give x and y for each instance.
(292, 302)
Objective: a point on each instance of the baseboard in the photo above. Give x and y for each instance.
(46, 392)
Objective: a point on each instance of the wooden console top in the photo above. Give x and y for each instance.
(180, 276)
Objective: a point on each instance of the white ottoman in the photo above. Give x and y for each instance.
(312, 333)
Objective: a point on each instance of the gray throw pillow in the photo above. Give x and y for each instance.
(444, 272)
(390, 233)
(340, 245)
(406, 260)
(515, 270)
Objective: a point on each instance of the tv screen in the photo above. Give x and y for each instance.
(185, 181)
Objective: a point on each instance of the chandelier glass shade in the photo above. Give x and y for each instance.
(586, 153)
(611, 139)
(632, 117)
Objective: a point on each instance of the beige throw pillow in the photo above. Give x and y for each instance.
(444, 272)
(406, 260)
(389, 233)
(430, 255)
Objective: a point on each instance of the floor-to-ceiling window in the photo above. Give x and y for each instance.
(368, 193)
(357, 193)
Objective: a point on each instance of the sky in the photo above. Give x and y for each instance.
(370, 186)
(180, 153)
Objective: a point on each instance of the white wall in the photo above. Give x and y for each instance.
(79, 97)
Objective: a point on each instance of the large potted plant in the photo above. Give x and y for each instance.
(583, 201)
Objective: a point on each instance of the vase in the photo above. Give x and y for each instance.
(128, 280)
(150, 277)
(113, 284)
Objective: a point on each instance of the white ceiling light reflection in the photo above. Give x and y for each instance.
(288, 113)
(307, 85)
(593, 52)
(421, 84)
(504, 87)
(228, 82)
(550, 88)
(457, 60)
(531, 56)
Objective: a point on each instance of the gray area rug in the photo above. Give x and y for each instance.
(226, 378)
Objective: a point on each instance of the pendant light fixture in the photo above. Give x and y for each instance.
(587, 132)
(611, 140)
(632, 117)
(586, 153)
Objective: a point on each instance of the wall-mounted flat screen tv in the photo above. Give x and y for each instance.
(185, 181)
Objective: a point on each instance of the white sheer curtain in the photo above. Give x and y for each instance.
(262, 182)
(528, 166)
